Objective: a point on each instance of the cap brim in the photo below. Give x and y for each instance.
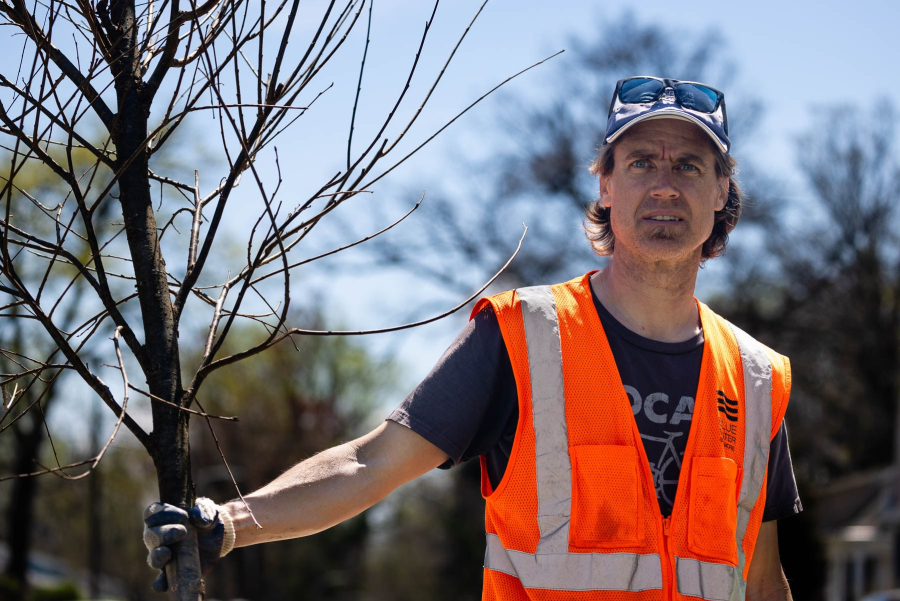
(670, 113)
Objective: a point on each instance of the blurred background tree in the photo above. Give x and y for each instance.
(823, 285)
(535, 167)
(20, 339)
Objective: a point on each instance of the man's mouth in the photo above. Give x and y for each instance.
(664, 218)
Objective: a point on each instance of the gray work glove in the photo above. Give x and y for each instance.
(164, 525)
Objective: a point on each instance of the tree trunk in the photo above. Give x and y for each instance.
(169, 446)
(95, 510)
(20, 513)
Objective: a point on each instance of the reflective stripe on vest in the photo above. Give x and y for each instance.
(712, 581)
(551, 441)
(757, 436)
(576, 571)
(719, 582)
(552, 567)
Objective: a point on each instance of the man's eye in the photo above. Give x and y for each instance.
(640, 163)
(687, 167)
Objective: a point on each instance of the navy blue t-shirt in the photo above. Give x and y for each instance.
(467, 406)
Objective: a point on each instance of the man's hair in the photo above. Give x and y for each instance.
(598, 229)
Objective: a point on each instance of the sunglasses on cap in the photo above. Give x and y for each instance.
(688, 94)
(639, 98)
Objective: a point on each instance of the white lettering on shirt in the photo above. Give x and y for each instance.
(684, 411)
(650, 412)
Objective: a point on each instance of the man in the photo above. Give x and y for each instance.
(631, 440)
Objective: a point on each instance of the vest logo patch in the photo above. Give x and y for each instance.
(729, 409)
(727, 406)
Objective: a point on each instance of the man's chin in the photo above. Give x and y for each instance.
(665, 233)
(665, 245)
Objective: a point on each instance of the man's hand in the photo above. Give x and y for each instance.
(164, 525)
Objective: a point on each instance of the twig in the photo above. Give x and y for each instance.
(153, 397)
(53, 471)
(12, 397)
(460, 114)
(227, 467)
(25, 20)
(337, 250)
(203, 372)
(93, 461)
(125, 387)
(362, 68)
(195, 223)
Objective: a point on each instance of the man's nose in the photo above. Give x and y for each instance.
(664, 187)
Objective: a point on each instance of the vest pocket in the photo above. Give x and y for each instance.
(606, 497)
(712, 521)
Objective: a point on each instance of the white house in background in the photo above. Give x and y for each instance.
(858, 520)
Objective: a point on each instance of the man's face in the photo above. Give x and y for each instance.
(663, 191)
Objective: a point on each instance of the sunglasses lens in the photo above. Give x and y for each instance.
(696, 97)
(639, 90)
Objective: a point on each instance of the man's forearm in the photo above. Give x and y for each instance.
(333, 486)
(311, 496)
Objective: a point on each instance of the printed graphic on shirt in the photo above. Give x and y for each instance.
(665, 447)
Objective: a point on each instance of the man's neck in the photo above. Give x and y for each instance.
(655, 301)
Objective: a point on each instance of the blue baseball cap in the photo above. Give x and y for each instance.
(638, 99)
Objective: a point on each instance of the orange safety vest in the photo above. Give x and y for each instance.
(576, 516)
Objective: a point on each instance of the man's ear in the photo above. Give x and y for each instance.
(605, 195)
(722, 189)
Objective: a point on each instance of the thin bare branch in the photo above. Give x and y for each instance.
(362, 68)
(57, 118)
(103, 292)
(157, 399)
(77, 364)
(218, 364)
(351, 245)
(19, 14)
(460, 114)
(227, 467)
(54, 470)
(125, 387)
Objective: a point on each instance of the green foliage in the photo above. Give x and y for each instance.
(62, 592)
(11, 589)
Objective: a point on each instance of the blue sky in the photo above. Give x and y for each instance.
(793, 54)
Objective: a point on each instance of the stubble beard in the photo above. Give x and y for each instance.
(662, 233)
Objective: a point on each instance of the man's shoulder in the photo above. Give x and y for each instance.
(781, 365)
(502, 302)
(723, 322)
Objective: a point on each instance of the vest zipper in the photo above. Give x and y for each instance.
(668, 575)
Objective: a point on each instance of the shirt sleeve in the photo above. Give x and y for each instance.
(463, 405)
(782, 499)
